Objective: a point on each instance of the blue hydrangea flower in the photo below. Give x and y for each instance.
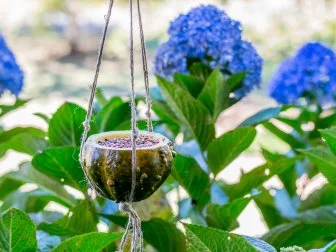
(11, 75)
(209, 35)
(310, 73)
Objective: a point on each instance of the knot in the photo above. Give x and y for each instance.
(125, 207)
(148, 113)
(135, 133)
(86, 125)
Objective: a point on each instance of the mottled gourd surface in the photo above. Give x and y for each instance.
(107, 161)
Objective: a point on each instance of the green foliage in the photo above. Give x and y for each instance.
(162, 235)
(231, 145)
(192, 113)
(62, 164)
(209, 239)
(17, 232)
(65, 127)
(324, 160)
(225, 217)
(5, 109)
(80, 220)
(91, 242)
(186, 109)
(25, 140)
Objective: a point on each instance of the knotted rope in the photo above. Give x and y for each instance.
(134, 222)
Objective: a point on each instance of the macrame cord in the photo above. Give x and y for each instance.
(134, 222)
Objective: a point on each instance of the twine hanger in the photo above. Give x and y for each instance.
(134, 222)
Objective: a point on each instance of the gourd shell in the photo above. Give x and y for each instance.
(109, 170)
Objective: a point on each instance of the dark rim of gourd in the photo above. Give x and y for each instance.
(93, 139)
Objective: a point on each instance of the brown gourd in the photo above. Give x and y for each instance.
(109, 169)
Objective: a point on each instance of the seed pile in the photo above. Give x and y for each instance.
(126, 142)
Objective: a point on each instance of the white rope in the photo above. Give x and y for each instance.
(133, 218)
(145, 71)
(87, 121)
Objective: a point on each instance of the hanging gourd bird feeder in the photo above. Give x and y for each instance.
(126, 166)
(107, 162)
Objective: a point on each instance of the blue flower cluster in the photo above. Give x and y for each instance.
(11, 75)
(310, 73)
(209, 35)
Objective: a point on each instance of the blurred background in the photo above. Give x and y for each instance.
(55, 42)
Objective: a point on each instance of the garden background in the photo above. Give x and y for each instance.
(55, 42)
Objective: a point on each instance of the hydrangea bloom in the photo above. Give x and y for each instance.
(11, 75)
(211, 36)
(311, 72)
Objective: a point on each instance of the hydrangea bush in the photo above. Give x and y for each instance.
(207, 34)
(11, 75)
(309, 74)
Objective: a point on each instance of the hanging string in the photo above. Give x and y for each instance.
(87, 121)
(133, 220)
(145, 71)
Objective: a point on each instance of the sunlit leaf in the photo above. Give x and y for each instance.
(192, 114)
(63, 165)
(201, 238)
(223, 150)
(182, 169)
(92, 242)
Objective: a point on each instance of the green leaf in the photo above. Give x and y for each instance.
(310, 227)
(191, 83)
(322, 197)
(207, 239)
(270, 213)
(331, 247)
(183, 167)
(13, 139)
(29, 202)
(288, 138)
(288, 177)
(166, 115)
(215, 94)
(162, 235)
(192, 114)
(225, 217)
(65, 126)
(295, 123)
(235, 80)
(63, 165)
(101, 99)
(200, 70)
(43, 117)
(261, 117)
(8, 185)
(23, 143)
(223, 150)
(114, 113)
(329, 136)
(82, 219)
(8, 134)
(27, 174)
(299, 233)
(255, 178)
(92, 242)
(18, 232)
(324, 160)
(4, 109)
